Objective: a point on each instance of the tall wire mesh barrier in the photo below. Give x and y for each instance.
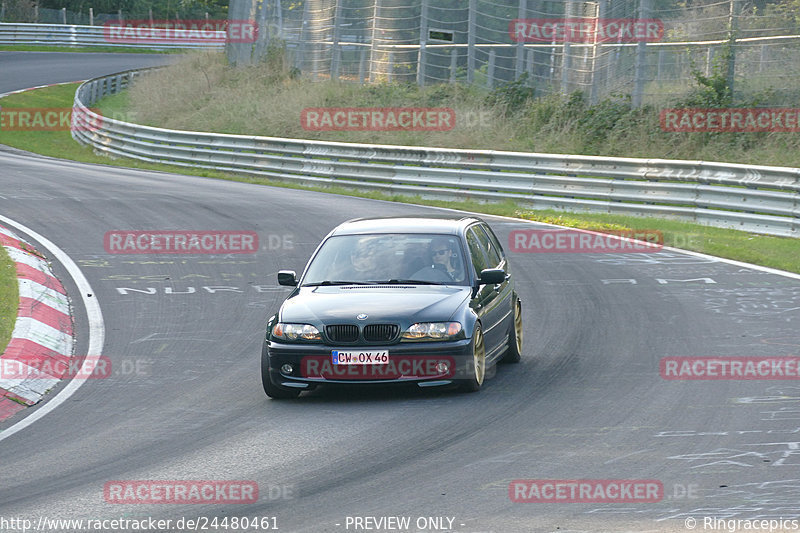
(650, 49)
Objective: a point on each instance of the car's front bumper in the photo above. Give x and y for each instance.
(422, 363)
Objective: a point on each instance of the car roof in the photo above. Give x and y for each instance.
(442, 224)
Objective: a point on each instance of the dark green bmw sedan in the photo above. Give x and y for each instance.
(424, 300)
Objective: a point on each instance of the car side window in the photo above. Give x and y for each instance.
(476, 251)
(492, 253)
(495, 241)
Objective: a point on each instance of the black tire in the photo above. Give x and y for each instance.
(476, 368)
(514, 352)
(271, 389)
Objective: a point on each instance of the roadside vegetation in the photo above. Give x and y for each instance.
(85, 49)
(9, 298)
(204, 93)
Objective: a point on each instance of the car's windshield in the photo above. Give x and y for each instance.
(381, 258)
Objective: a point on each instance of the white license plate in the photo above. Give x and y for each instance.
(374, 357)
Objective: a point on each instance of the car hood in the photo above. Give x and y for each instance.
(401, 304)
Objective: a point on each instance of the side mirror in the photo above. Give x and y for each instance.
(492, 276)
(288, 278)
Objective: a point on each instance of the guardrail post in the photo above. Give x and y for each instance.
(91, 16)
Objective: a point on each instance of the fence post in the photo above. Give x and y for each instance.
(63, 15)
(362, 66)
(733, 26)
(2, 10)
(390, 69)
(597, 58)
(641, 56)
(423, 38)
(660, 63)
(91, 16)
(490, 73)
(336, 52)
(376, 12)
(530, 56)
(762, 57)
(521, 14)
(566, 57)
(453, 64)
(471, 29)
(709, 59)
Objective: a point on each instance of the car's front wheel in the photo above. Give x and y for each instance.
(476, 367)
(274, 391)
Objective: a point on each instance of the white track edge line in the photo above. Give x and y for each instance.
(96, 328)
(733, 262)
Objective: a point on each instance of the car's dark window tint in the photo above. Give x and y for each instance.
(490, 249)
(494, 240)
(476, 251)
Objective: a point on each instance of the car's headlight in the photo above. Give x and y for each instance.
(432, 331)
(294, 332)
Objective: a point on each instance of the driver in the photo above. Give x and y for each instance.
(443, 257)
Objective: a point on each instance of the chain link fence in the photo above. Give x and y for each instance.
(474, 41)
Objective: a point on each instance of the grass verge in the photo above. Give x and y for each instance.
(776, 252)
(84, 49)
(9, 298)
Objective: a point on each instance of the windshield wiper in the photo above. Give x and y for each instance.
(338, 282)
(410, 282)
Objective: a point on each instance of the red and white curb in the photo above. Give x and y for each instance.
(42, 334)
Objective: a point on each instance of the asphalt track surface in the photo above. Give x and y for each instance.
(586, 402)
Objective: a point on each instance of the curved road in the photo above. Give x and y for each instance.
(587, 401)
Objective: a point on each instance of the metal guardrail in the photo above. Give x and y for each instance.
(758, 199)
(74, 35)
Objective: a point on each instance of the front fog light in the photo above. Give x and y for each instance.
(442, 367)
(287, 368)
